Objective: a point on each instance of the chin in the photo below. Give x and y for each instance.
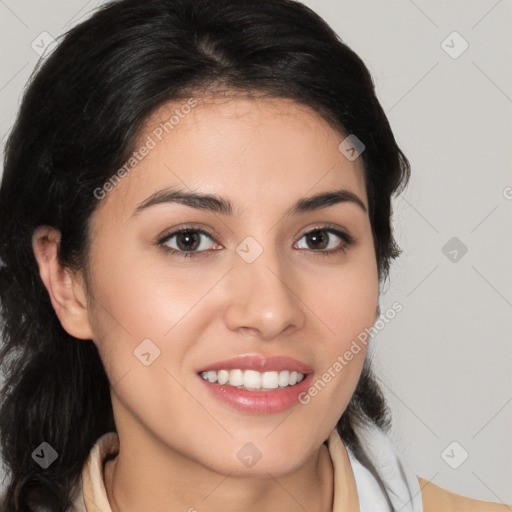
(263, 468)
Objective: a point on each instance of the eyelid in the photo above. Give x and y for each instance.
(338, 230)
(188, 227)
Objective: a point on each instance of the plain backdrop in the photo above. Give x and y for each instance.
(442, 71)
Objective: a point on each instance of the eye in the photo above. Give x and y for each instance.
(191, 242)
(321, 238)
(188, 242)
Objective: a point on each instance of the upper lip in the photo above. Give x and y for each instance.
(259, 363)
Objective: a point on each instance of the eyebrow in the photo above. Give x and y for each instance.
(217, 204)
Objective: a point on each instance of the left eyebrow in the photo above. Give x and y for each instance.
(217, 204)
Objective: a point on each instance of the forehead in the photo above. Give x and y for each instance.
(256, 152)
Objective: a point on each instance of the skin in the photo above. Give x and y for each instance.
(178, 443)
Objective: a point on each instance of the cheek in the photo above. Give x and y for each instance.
(346, 305)
(345, 300)
(134, 295)
(142, 333)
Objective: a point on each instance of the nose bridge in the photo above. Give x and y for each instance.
(262, 294)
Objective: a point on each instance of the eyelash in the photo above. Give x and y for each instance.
(345, 237)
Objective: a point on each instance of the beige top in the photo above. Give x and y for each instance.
(93, 496)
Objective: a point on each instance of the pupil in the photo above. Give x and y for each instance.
(314, 236)
(189, 236)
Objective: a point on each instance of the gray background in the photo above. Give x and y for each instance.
(445, 361)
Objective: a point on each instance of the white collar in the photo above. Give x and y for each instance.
(400, 480)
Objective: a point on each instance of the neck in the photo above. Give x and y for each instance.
(184, 485)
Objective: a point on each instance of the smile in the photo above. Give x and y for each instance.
(252, 380)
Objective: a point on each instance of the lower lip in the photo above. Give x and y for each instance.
(259, 402)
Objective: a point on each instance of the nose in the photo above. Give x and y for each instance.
(263, 297)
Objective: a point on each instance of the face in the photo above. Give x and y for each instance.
(261, 288)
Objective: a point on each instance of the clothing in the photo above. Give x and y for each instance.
(355, 489)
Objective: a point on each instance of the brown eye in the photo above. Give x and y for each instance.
(188, 242)
(318, 239)
(323, 240)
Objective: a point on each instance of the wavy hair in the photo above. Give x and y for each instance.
(78, 122)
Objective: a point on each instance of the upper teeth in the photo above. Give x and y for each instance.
(251, 379)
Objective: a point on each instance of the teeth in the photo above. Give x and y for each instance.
(284, 378)
(270, 380)
(236, 378)
(252, 380)
(222, 377)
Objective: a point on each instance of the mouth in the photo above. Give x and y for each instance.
(257, 384)
(252, 380)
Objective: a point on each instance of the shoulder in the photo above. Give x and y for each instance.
(437, 499)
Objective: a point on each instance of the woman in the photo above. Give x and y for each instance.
(195, 212)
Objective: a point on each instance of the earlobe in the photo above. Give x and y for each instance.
(66, 292)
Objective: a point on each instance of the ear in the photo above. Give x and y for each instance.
(67, 291)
